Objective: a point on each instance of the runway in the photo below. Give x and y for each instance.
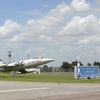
(48, 91)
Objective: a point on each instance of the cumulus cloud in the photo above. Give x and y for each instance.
(81, 29)
(80, 5)
(94, 39)
(55, 25)
(45, 26)
(49, 24)
(63, 29)
(8, 28)
(82, 25)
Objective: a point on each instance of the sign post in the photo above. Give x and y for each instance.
(86, 71)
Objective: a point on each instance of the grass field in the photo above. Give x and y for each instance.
(55, 77)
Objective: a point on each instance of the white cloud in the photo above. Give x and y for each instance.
(80, 5)
(54, 20)
(8, 28)
(49, 24)
(94, 39)
(65, 31)
(45, 26)
(81, 29)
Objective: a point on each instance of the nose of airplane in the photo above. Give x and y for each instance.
(49, 60)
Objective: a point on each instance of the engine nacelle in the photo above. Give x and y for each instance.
(35, 70)
(30, 70)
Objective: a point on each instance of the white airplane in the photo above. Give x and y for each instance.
(23, 66)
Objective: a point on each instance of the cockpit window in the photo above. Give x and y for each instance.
(39, 57)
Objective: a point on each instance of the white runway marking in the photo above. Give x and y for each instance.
(28, 89)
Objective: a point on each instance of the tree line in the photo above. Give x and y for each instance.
(67, 67)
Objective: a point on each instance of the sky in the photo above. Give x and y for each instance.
(58, 29)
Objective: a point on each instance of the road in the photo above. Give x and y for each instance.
(48, 91)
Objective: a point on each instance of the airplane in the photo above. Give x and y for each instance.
(23, 66)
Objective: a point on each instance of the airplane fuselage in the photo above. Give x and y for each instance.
(24, 64)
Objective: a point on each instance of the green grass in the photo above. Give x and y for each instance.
(55, 77)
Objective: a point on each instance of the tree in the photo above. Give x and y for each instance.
(66, 66)
(45, 68)
(96, 64)
(74, 63)
(89, 64)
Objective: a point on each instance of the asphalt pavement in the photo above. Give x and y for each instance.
(48, 91)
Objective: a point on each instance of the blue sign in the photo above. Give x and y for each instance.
(88, 71)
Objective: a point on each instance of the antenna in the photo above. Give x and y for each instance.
(9, 56)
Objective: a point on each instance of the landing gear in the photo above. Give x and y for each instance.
(14, 73)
